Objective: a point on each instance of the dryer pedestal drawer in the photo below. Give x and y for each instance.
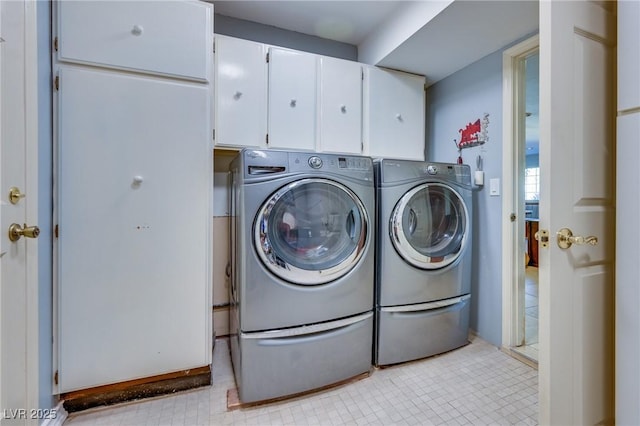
(406, 333)
(301, 359)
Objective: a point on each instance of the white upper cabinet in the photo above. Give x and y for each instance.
(292, 99)
(301, 101)
(394, 114)
(241, 93)
(628, 55)
(137, 36)
(340, 106)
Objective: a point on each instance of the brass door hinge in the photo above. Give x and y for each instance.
(56, 83)
(55, 44)
(55, 231)
(267, 57)
(55, 377)
(267, 138)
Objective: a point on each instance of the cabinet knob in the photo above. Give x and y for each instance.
(137, 30)
(137, 181)
(343, 108)
(292, 103)
(237, 95)
(399, 117)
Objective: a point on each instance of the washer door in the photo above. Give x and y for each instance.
(429, 225)
(311, 231)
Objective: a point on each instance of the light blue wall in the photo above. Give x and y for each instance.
(452, 103)
(254, 31)
(45, 274)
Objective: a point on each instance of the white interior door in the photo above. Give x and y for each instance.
(577, 161)
(18, 259)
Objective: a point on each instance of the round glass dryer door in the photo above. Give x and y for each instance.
(429, 225)
(311, 231)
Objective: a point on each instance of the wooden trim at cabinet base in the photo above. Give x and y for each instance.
(136, 389)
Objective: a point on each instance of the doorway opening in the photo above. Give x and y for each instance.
(522, 192)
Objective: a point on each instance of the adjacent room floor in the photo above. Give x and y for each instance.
(477, 384)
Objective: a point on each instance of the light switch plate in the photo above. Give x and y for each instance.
(494, 187)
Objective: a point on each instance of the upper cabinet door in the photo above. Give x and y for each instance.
(168, 38)
(241, 92)
(394, 114)
(340, 106)
(292, 99)
(628, 55)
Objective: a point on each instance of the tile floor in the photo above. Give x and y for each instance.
(530, 348)
(477, 385)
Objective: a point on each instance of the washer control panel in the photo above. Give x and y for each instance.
(353, 163)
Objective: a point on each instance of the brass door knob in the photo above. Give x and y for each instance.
(566, 239)
(16, 231)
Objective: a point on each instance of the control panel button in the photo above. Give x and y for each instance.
(432, 170)
(315, 162)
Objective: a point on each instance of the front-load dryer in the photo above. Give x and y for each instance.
(302, 275)
(423, 266)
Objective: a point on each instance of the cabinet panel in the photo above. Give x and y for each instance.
(292, 99)
(340, 106)
(241, 92)
(159, 37)
(394, 114)
(134, 213)
(628, 55)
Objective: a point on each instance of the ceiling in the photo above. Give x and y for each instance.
(345, 21)
(434, 38)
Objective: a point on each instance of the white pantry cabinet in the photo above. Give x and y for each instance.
(241, 93)
(133, 190)
(394, 114)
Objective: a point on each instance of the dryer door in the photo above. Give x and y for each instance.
(429, 226)
(311, 231)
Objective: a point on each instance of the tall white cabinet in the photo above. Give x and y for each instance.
(134, 169)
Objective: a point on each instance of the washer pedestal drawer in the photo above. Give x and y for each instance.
(279, 363)
(412, 332)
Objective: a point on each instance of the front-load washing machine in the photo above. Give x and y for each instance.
(423, 266)
(302, 270)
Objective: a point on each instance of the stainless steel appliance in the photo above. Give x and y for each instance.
(302, 280)
(423, 266)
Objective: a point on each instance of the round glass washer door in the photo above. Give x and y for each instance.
(429, 225)
(311, 231)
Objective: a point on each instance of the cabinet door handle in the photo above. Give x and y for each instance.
(137, 30)
(237, 95)
(292, 103)
(343, 108)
